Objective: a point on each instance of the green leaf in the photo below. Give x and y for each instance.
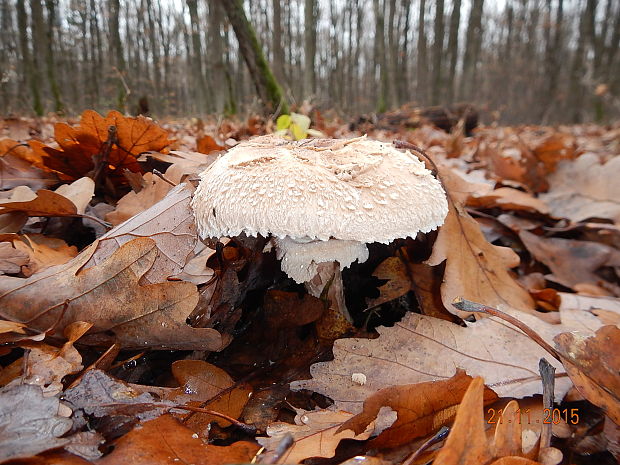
(283, 122)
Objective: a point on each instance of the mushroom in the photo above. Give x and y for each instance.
(322, 201)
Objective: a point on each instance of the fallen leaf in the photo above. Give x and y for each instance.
(11, 258)
(169, 223)
(211, 387)
(165, 441)
(110, 297)
(584, 188)
(207, 144)
(80, 146)
(421, 348)
(593, 367)
(467, 442)
(19, 167)
(315, 434)
(398, 283)
(421, 408)
(46, 365)
(475, 269)
(571, 262)
(508, 198)
(29, 422)
(43, 252)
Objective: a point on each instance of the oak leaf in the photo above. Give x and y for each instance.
(421, 348)
(421, 408)
(165, 441)
(110, 297)
(585, 188)
(593, 366)
(80, 145)
(475, 269)
(315, 434)
(20, 167)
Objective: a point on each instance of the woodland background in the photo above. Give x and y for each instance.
(535, 61)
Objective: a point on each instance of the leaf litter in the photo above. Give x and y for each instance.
(103, 269)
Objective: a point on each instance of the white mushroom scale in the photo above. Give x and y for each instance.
(322, 200)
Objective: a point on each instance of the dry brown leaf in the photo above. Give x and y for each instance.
(475, 269)
(204, 383)
(155, 189)
(587, 314)
(109, 296)
(79, 146)
(46, 365)
(20, 167)
(421, 348)
(421, 408)
(43, 252)
(585, 188)
(571, 262)
(467, 442)
(398, 283)
(165, 441)
(593, 366)
(508, 198)
(207, 144)
(11, 258)
(169, 223)
(315, 434)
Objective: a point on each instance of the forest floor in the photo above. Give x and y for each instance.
(125, 339)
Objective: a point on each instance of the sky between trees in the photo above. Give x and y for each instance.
(549, 61)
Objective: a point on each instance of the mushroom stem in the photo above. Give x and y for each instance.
(326, 272)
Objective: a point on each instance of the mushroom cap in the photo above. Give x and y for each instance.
(356, 190)
(300, 260)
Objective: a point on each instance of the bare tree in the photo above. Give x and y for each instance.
(437, 53)
(422, 64)
(310, 15)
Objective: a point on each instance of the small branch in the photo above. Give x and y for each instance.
(469, 306)
(249, 429)
(438, 436)
(547, 373)
(161, 175)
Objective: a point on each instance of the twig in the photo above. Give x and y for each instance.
(469, 306)
(283, 446)
(161, 175)
(547, 373)
(438, 436)
(249, 429)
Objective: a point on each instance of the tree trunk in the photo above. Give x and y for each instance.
(224, 102)
(30, 74)
(437, 53)
(380, 58)
(403, 93)
(422, 64)
(310, 16)
(453, 49)
(473, 43)
(266, 85)
(278, 49)
(202, 93)
(117, 52)
(392, 58)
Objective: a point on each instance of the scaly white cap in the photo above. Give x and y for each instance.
(318, 189)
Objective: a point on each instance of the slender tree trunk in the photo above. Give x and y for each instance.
(453, 48)
(30, 75)
(403, 82)
(223, 97)
(154, 45)
(202, 94)
(49, 56)
(277, 44)
(117, 50)
(438, 53)
(266, 85)
(422, 64)
(473, 42)
(380, 58)
(577, 71)
(392, 58)
(310, 15)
